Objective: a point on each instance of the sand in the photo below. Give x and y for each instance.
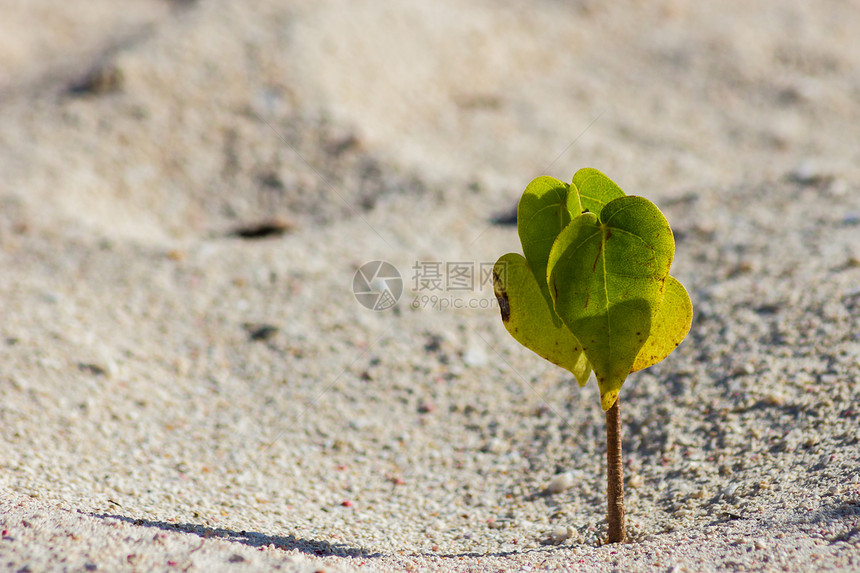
(177, 396)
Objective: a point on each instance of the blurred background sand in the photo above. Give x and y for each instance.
(671, 95)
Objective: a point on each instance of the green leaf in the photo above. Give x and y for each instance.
(606, 277)
(529, 318)
(594, 191)
(669, 327)
(541, 215)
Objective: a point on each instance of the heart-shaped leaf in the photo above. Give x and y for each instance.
(541, 215)
(594, 191)
(669, 327)
(528, 316)
(606, 277)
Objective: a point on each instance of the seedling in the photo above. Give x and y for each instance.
(593, 293)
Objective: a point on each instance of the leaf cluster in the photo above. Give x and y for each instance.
(592, 290)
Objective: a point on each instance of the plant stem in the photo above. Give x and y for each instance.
(615, 476)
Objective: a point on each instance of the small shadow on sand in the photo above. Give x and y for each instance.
(477, 554)
(250, 538)
(841, 512)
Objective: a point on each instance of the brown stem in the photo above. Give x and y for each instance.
(615, 476)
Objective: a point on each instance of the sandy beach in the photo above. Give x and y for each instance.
(188, 380)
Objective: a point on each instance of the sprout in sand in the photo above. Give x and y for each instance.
(593, 293)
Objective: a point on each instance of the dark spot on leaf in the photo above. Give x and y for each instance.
(504, 305)
(597, 258)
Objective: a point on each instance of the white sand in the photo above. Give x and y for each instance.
(142, 427)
